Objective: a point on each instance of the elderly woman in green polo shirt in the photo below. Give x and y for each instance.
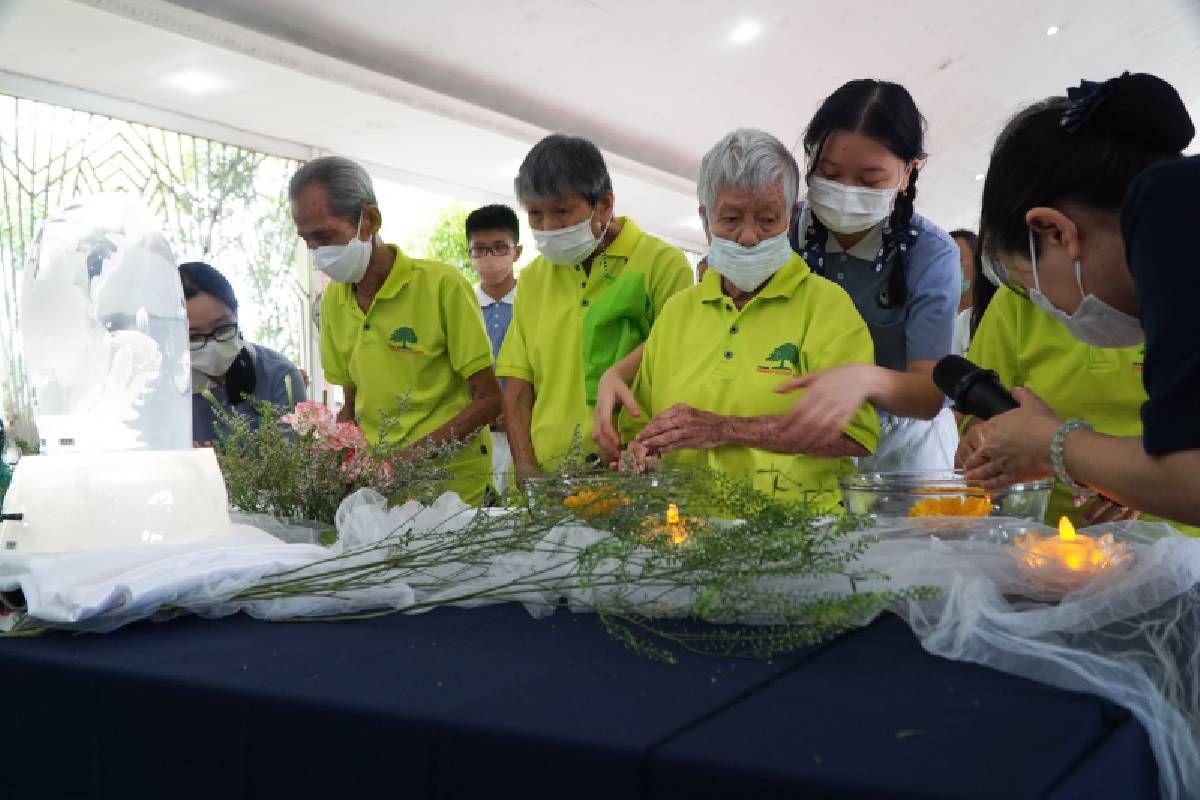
(712, 367)
(590, 297)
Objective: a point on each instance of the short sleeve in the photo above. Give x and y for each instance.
(669, 276)
(853, 347)
(995, 343)
(934, 287)
(513, 360)
(850, 342)
(334, 362)
(467, 343)
(1158, 217)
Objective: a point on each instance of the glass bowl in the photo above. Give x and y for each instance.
(941, 495)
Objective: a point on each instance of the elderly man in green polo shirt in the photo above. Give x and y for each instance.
(403, 337)
(590, 297)
(712, 367)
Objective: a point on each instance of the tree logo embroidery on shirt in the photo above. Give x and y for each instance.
(779, 358)
(401, 341)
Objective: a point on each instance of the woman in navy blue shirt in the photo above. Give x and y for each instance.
(1090, 210)
(239, 374)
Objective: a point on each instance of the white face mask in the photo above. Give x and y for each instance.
(747, 268)
(1095, 322)
(849, 209)
(345, 263)
(570, 245)
(213, 360)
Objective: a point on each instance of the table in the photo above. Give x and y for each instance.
(490, 702)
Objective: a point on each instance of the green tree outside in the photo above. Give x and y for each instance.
(445, 240)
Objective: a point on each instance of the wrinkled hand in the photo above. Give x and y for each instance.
(521, 471)
(637, 459)
(1014, 446)
(1100, 509)
(611, 394)
(681, 427)
(831, 399)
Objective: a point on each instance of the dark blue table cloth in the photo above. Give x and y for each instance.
(492, 703)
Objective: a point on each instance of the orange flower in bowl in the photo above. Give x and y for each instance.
(595, 502)
(952, 506)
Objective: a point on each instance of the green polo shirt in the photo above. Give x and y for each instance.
(545, 342)
(706, 353)
(1027, 347)
(409, 357)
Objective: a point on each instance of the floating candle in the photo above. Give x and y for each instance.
(1069, 560)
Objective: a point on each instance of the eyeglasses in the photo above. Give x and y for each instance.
(222, 333)
(479, 251)
(995, 271)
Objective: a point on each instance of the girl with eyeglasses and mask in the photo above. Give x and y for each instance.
(239, 374)
(858, 228)
(1090, 211)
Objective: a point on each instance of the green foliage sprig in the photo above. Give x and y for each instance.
(763, 578)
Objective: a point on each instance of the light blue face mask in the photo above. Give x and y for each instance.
(748, 268)
(1094, 322)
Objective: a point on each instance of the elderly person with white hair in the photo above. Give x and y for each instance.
(709, 377)
(403, 337)
(590, 298)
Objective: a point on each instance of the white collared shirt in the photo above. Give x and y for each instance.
(486, 299)
(865, 249)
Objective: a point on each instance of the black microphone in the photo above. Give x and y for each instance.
(975, 391)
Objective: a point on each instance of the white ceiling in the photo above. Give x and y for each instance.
(451, 94)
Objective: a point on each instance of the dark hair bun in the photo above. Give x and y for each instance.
(1147, 109)
(198, 277)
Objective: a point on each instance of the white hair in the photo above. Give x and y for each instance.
(747, 159)
(347, 185)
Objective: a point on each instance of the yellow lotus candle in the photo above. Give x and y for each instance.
(1070, 560)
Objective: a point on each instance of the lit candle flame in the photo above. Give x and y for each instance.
(1066, 531)
(1069, 560)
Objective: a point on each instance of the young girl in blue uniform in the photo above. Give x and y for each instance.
(858, 228)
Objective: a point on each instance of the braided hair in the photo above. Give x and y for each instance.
(885, 112)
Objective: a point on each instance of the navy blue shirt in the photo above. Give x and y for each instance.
(272, 374)
(1158, 223)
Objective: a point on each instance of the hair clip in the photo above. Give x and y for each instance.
(1084, 99)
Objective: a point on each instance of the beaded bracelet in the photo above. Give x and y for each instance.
(1058, 461)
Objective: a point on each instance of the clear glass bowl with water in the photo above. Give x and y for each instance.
(941, 495)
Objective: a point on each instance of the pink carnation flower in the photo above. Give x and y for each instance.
(348, 436)
(310, 417)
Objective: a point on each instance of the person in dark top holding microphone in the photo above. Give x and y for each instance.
(1090, 210)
